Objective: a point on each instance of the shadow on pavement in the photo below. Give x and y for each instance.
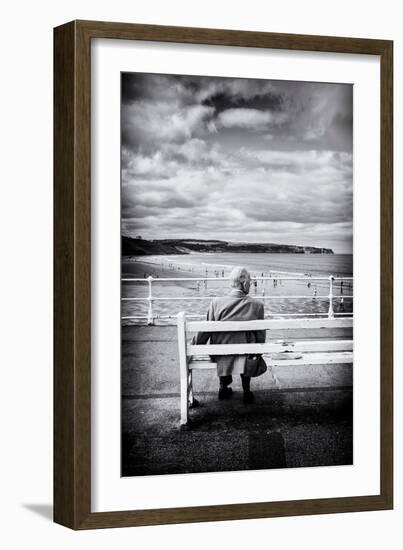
(280, 430)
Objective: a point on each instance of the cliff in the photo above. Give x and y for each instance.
(140, 247)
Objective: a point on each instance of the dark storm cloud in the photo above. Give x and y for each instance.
(222, 101)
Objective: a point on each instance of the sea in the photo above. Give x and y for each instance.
(339, 265)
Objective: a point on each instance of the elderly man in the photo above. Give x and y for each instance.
(237, 306)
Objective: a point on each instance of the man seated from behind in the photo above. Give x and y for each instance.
(236, 306)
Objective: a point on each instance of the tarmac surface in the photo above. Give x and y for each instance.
(301, 416)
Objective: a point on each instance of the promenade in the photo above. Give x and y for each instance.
(302, 416)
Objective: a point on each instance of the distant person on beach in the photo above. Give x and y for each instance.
(236, 306)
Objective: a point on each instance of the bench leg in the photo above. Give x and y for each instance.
(183, 367)
(184, 396)
(193, 402)
(190, 388)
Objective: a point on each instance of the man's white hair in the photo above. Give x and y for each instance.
(238, 276)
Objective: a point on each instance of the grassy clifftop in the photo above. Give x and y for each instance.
(142, 247)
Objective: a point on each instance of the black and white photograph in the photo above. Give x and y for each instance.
(236, 274)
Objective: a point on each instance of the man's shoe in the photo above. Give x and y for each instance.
(224, 393)
(248, 397)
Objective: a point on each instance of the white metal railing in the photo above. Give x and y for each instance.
(150, 298)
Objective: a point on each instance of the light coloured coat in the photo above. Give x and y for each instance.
(237, 306)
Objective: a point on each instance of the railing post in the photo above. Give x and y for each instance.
(330, 313)
(150, 318)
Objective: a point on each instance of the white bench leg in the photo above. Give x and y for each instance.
(191, 396)
(183, 367)
(184, 397)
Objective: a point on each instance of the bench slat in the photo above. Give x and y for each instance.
(309, 359)
(267, 324)
(270, 347)
(306, 360)
(202, 365)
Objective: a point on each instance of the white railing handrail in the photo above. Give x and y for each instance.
(255, 277)
(151, 298)
(260, 296)
(273, 315)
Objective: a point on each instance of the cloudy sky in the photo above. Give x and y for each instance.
(237, 159)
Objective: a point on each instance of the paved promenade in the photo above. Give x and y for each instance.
(302, 416)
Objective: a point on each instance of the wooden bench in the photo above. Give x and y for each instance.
(285, 352)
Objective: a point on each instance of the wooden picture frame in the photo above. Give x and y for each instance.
(72, 270)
